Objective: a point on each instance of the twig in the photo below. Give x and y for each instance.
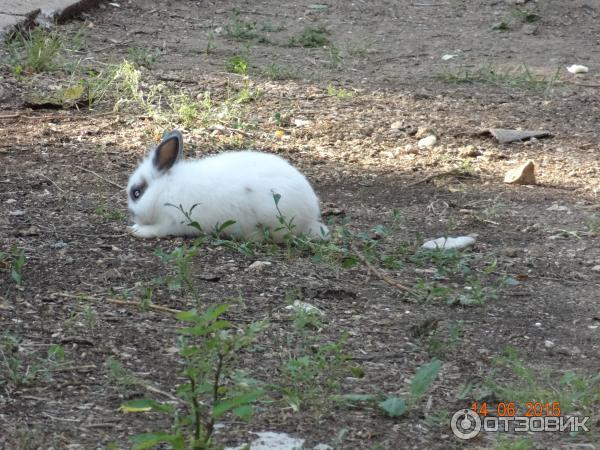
(585, 84)
(59, 418)
(58, 116)
(139, 305)
(53, 183)
(72, 368)
(235, 130)
(158, 391)
(382, 276)
(100, 176)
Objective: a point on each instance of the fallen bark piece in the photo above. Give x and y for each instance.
(449, 243)
(577, 68)
(524, 174)
(504, 136)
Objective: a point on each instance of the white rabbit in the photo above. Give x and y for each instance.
(240, 186)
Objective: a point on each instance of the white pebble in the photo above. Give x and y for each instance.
(259, 265)
(449, 243)
(305, 308)
(548, 343)
(577, 68)
(427, 142)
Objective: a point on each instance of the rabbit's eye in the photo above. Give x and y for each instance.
(138, 190)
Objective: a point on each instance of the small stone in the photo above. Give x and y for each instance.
(468, 152)
(427, 142)
(10, 201)
(31, 231)
(537, 324)
(423, 132)
(396, 125)
(302, 123)
(259, 265)
(511, 252)
(596, 268)
(411, 149)
(449, 243)
(305, 308)
(556, 207)
(323, 447)
(524, 174)
(548, 343)
(578, 68)
(18, 212)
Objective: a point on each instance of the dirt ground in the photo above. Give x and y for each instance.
(349, 114)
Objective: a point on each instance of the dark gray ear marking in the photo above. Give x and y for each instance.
(169, 151)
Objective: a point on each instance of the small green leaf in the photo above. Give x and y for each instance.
(73, 93)
(145, 405)
(357, 372)
(394, 406)
(276, 198)
(423, 378)
(349, 261)
(187, 316)
(235, 402)
(56, 352)
(244, 412)
(149, 440)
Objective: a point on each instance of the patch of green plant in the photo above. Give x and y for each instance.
(593, 224)
(359, 49)
(15, 261)
(14, 371)
(573, 391)
(270, 28)
(143, 57)
(439, 419)
(438, 344)
(446, 261)
(107, 213)
(339, 93)
(238, 64)
(186, 111)
(507, 443)
(310, 38)
(335, 56)
(179, 259)
(124, 379)
(247, 94)
(518, 77)
(311, 374)
(275, 71)
(525, 15)
(395, 406)
(37, 50)
(241, 30)
(213, 387)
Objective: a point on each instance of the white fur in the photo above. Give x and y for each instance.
(235, 186)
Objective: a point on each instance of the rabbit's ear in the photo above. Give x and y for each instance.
(168, 152)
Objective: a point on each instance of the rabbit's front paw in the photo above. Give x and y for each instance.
(142, 231)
